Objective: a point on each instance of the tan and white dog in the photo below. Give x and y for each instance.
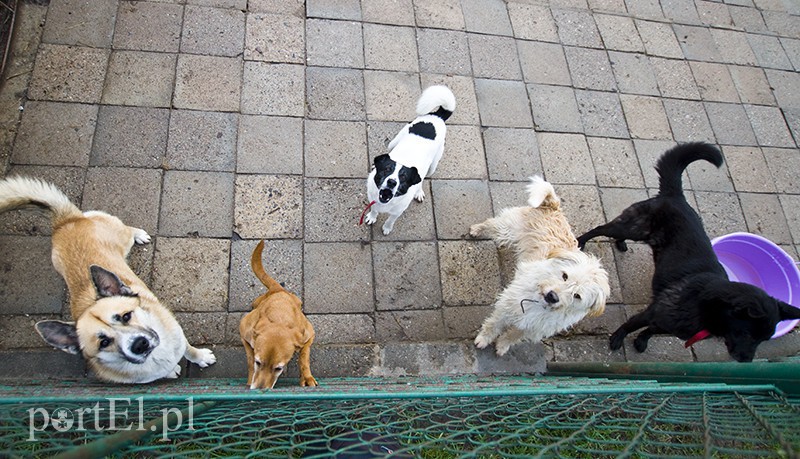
(122, 330)
(273, 331)
(555, 284)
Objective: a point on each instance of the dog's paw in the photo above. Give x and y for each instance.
(387, 228)
(621, 245)
(481, 342)
(205, 358)
(420, 195)
(475, 230)
(640, 343)
(501, 349)
(308, 381)
(370, 218)
(174, 373)
(140, 236)
(616, 340)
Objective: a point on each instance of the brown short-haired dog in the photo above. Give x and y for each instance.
(273, 331)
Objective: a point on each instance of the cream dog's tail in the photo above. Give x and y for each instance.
(542, 194)
(31, 193)
(272, 285)
(437, 100)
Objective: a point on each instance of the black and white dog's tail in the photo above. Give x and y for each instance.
(437, 100)
(671, 165)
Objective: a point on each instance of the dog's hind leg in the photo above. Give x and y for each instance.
(202, 357)
(634, 323)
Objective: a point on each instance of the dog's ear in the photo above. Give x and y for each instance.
(383, 162)
(412, 176)
(787, 311)
(108, 284)
(60, 335)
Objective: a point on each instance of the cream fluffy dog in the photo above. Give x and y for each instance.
(555, 284)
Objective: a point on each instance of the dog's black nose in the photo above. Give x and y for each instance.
(140, 345)
(391, 183)
(551, 297)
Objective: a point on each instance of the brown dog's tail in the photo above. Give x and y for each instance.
(31, 193)
(258, 269)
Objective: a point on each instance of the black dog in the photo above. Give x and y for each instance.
(692, 296)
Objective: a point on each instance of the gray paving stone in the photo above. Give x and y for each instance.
(503, 103)
(282, 260)
(180, 213)
(335, 149)
(332, 209)
(714, 82)
(688, 120)
(555, 108)
(269, 145)
(379, 134)
(764, 216)
(216, 31)
(717, 14)
(391, 96)
(782, 163)
(648, 152)
(682, 11)
(335, 94)
(494, 57)
(782, 23)
(130, 137)
(464, 157)
(460, 203)
(49, 363)
(486, 17)
(464, 322)
(721, 213)
(635, 268)
(195, 72)
(791, 209)
(23, 259)
(619, 33)
(505, 195)
(543, 63)
(752, 85)
(749, 169)
(440, 14)
(148, 26)
(706, 177)
(792, 49)
(675, 78)
(334, 9)
(344, 360)
(615, 163)
(659, 39)
(331, 289)
(616, 200)
(557, 150)
(334, 43)
(242, 4)
(659, 349)
(74, 22)
(696, 42)
(416, 326)
(203, 328)
(202, 141)
(398, 12)
(645, 8)
(645, 117)
(130, 194)
(66, 141)
(140, 79)
(633, 73)
(577, 28)
(769, 52)
(443, 51)
(273, 38)
(590, 69)
(469, 272)
(769, 125)
(733, 47)
(533, 22)
(343, 328)
(268, 206)
(399, 359)
(574, 4)
(406, 277)
(273, 89)
(511, 154)
(192, 274)
(730, 124)
(601, 114)
(389, 47)
(748, 19)
(68, 74)
(585, 349)
(607, 323)
(18, 332)
(784, 85)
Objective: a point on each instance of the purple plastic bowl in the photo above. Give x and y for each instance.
(755, 260)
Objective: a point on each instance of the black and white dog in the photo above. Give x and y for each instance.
(413, 155)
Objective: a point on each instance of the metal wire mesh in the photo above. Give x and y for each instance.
(506, 417)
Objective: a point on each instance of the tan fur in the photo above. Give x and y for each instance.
(273, 331)
(80, 241)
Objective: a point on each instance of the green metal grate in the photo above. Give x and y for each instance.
(424, 417)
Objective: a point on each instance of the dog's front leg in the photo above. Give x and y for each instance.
(388, 225)
(634, 323)
(202, 357)
(251, 359)
(489, 331)
(304, 362)
(508, 338)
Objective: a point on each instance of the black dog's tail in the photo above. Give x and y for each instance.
(671, 165)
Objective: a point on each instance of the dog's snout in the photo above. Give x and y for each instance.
(391, 183)
(140, 345)
(551, 297)
(385, 195)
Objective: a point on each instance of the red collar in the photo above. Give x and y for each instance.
(700, 336)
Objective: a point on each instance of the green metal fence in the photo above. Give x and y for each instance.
(506, 417)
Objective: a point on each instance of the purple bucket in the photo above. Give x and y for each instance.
(755, 260)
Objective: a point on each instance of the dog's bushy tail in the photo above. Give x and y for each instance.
(31, 193)
(542, 194)
(671, 165)
(437, 100)
(258, 269)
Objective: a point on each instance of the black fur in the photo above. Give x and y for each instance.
(423, 129)
(691, 291)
